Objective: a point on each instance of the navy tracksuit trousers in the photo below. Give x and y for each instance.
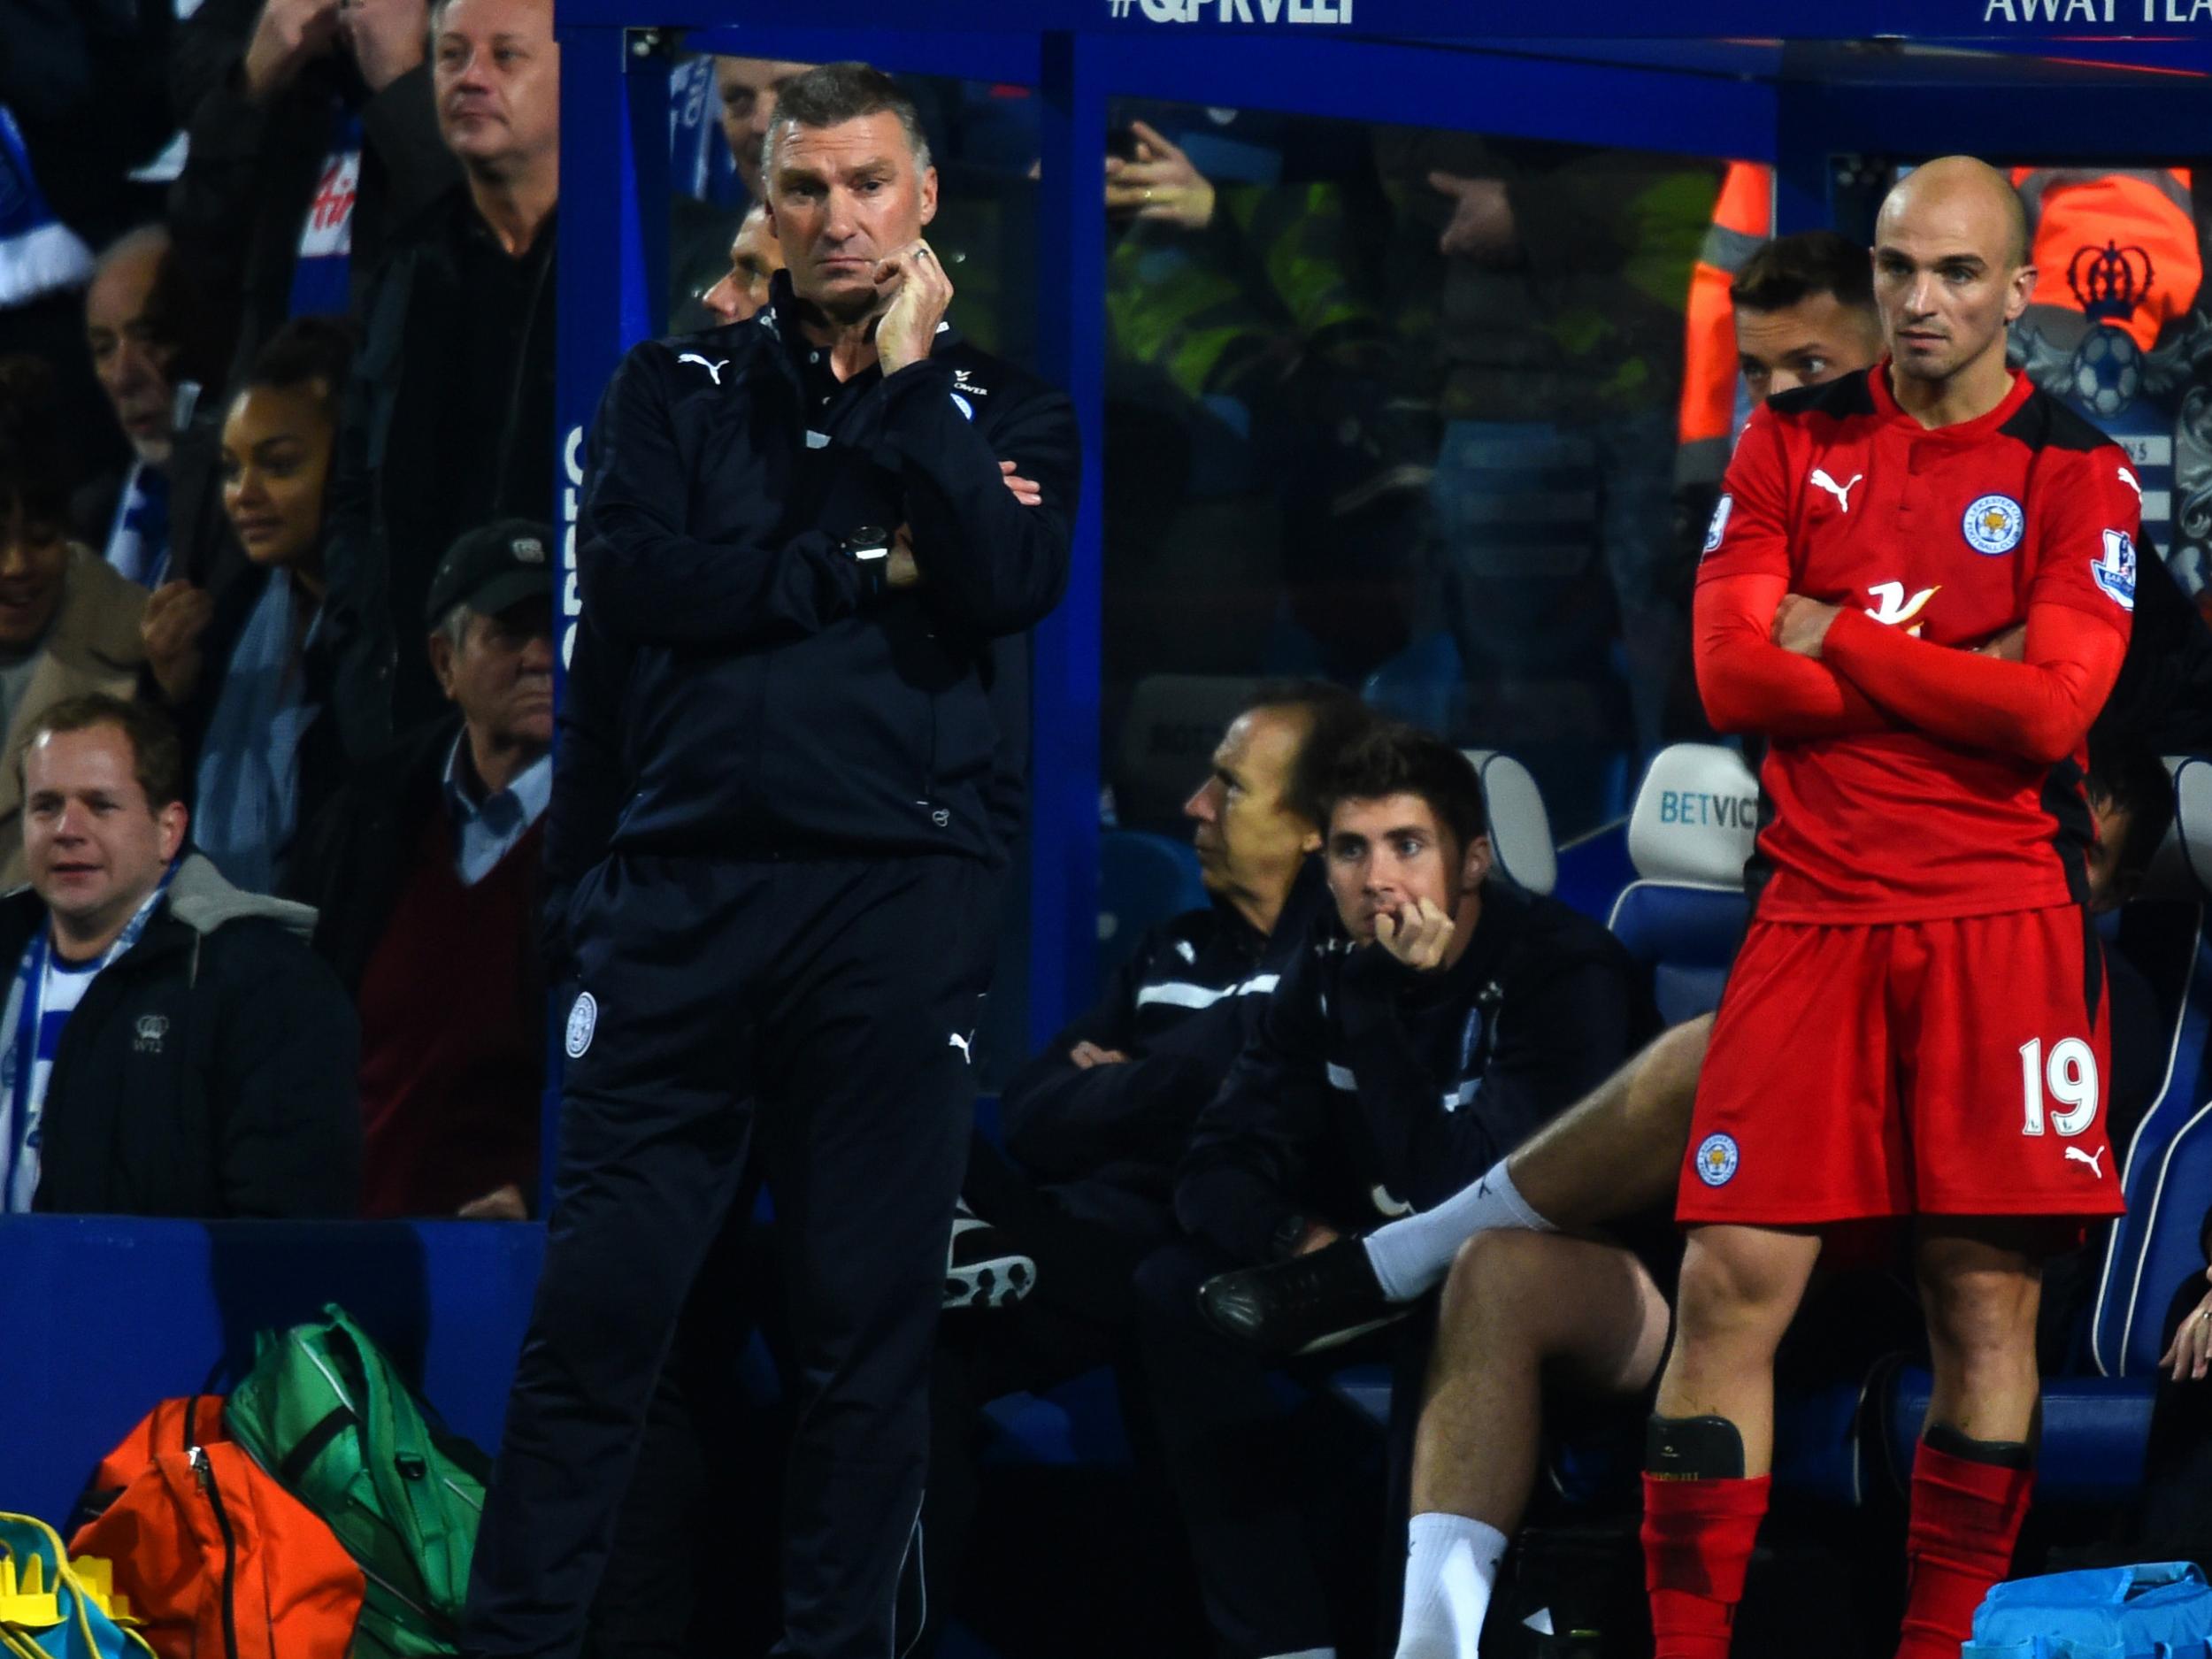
(813, 1014)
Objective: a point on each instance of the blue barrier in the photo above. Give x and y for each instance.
(101, 1316)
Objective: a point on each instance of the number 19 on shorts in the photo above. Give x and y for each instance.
(2068, 1076)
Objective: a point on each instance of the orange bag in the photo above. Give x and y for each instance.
(219, 1561)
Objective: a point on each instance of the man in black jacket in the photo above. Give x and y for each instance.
(173, 1048)
(1429, 1026)
(799, 537)
(449, 420)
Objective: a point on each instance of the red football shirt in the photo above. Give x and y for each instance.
(1951, 534)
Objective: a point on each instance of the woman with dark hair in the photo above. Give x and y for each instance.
(239, 667)
(68, 622)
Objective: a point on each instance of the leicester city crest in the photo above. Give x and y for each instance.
(1993, 525)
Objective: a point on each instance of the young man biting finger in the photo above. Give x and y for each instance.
(1429, 1025)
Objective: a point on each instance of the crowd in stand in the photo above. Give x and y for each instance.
(277, 446)
(298, 569)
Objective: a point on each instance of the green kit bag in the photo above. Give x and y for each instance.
(325, 1413)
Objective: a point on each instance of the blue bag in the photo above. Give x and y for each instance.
(2161, 1611)
(54, 1608)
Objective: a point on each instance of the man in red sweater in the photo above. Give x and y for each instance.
(423, 873)
(1915, 1025)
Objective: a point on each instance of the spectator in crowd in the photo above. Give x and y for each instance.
(68, 622)
(313, 136)
(240, 666)
(745, 100)
(1552, 345)
(747, 89)
(1426, 1028)
(422, 872)
(754, 257)
(173, 1047)
(135, 346)
(448, 421)
(1096, 1124)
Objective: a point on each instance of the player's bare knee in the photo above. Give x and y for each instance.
(1738, 1295)
(1491, 1272)
(1983, 1317)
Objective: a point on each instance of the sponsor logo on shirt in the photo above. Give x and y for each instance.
(329, 226)
(1993, 525)
(2115, 571)
(1717, 1159)
(1719, 526)
(1892, 609)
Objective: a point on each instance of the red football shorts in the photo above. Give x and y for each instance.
(1944, 1068)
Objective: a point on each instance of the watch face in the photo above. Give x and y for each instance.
(867, 535)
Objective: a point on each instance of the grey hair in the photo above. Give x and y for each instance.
(829, 95)
(455, 625)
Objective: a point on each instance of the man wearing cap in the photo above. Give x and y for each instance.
(423, 871)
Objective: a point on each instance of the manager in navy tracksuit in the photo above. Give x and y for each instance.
(797, 544)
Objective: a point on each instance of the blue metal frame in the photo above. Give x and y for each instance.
(1979, 23)
(1677, 82)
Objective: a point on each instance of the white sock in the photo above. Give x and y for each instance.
(1413, 1253)
(1451, 1565)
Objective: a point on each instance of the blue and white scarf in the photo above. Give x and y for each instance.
(47, 992)
(38, 253)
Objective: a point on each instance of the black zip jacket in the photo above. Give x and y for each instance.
(210, 1070)
(1106, 1139)
(1368, 1089)
(742, 686)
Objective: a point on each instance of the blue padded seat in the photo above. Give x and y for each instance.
(2095, 1430)
(2167, 1171)
(1690, 830)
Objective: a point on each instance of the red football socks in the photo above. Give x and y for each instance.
(1966, 1517)
(1697, 1545)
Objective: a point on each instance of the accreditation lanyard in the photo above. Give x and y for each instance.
(31, 984)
